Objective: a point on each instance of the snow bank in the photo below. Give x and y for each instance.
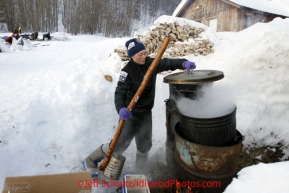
(258, 179)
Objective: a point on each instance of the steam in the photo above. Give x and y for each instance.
(214, 101)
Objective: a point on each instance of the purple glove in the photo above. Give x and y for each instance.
(124, 113)
(189, 65)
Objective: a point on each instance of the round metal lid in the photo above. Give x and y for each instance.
(195, 77)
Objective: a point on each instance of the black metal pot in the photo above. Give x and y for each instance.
(216, 131)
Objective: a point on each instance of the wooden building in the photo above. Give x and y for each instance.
(224, 15)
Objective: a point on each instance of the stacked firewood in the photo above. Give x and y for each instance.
(184, 40)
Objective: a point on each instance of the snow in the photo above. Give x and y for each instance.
(279, 7)
(262, 178)
(57, 107)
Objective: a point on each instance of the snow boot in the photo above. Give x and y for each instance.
(91, 162)
(141, 162)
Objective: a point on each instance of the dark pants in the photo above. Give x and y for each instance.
(140, 127)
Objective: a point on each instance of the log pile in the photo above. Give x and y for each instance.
(184, 40)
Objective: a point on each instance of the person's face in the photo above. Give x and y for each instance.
(140, 57)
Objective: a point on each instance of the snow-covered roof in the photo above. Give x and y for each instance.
(180, 7)
(278, 7)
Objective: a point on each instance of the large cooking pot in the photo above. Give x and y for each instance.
(214, 131)
(187, 85)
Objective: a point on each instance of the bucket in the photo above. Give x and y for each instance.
(215, 131)
(114, 167)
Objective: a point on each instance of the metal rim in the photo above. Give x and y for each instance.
(197, 77)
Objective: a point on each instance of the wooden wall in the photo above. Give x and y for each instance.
(229, 17)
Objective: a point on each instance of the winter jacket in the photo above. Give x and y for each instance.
(131, 77)
(16, 34)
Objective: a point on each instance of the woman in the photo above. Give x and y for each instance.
(138, 122)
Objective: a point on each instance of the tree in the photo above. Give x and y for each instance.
(113, 18)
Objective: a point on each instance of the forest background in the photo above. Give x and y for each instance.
(112, 18)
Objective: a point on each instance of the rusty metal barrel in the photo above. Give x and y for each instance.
(213, 162)
(208, 165)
